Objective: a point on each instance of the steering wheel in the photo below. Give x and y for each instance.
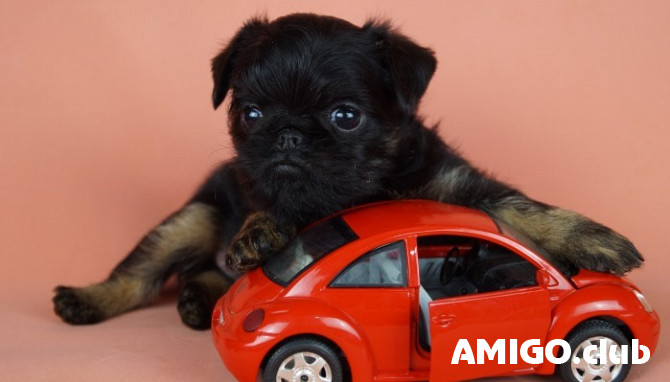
(448, 271)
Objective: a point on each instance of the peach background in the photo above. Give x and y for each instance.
(106, 127)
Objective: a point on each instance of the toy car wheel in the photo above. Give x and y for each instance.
(605, 369)
(303, 360)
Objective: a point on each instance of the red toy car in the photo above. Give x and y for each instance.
(418, 290)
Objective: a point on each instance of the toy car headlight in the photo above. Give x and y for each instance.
(643, 300)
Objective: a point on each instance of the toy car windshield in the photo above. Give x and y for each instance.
(310, 245)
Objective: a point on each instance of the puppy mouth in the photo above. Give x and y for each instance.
(287, 167)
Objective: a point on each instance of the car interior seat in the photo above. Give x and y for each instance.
(424, 319)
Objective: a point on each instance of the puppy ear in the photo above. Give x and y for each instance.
(226, 61)
(411, 66)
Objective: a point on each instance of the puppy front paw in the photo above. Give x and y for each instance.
(260, 237)
(71, 306)
(599, 248)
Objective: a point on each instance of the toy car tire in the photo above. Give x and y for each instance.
(590, 332)
(303, 359)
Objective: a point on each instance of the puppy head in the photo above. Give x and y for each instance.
(320, 109)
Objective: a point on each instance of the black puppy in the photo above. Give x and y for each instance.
(323, 117)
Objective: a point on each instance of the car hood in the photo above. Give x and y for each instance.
(250, 290)
(586, 278)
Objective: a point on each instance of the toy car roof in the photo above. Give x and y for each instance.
(385, 217)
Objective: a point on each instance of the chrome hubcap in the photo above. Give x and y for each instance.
(304, 367)
(604, 369)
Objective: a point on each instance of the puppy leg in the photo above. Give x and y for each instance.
(566, 235)
(186, 236)
(199, 289)
(570, 236)
(260, 236)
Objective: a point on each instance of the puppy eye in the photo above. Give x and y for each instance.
(250, 115)
(345, 117)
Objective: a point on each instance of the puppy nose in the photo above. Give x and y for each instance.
(288, 140)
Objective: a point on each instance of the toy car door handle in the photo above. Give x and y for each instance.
(443, 319)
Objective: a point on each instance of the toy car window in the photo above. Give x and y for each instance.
(383, 267)
(309, 246)
(498, 268)
(477, 266)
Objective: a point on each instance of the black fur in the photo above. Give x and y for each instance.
(297, 86)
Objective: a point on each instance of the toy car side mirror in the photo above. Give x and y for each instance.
(544, 279)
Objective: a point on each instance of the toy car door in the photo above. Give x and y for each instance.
(507, 306)
(373, 291)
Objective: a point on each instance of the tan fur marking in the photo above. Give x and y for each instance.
(215, 282)
(115, 296)
(192, 227)
(551, 229)
(443, 185)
